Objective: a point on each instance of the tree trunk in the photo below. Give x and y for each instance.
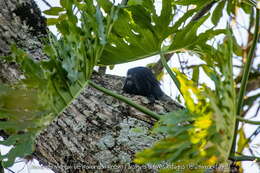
(98, 130)
(96, 133)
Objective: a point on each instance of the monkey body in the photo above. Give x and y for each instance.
(141, 81)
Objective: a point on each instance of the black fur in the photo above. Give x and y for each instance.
(141, 81)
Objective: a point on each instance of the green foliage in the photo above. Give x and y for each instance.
(217, 14)
(242, 142)
(202, 133)
(139, 32)
(49, 86)
(230, 6)
(24, 110)
(54, 11)
(193, 2)
(101, 33)
(23, 145)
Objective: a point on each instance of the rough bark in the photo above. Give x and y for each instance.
(96, 130)
(21, 23)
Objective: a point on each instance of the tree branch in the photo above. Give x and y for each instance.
(203, 11)
(46, 3)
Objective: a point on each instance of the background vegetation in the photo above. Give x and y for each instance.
(102, 33)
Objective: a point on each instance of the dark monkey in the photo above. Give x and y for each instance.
(141, 81)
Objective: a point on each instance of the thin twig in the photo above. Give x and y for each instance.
(10, 170)
(257, 111)
(250, 138)
(203, 11)
(179, 58)
(46, 3)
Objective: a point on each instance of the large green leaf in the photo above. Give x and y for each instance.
(139, 32)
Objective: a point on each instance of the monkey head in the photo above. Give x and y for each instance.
(141, 81)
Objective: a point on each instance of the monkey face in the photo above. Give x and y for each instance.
(129, 80)
(130, 85)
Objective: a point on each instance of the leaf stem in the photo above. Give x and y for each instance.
(126, 100)
(244, 80)
(168, 69)
(248, 121)
(244, 158)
